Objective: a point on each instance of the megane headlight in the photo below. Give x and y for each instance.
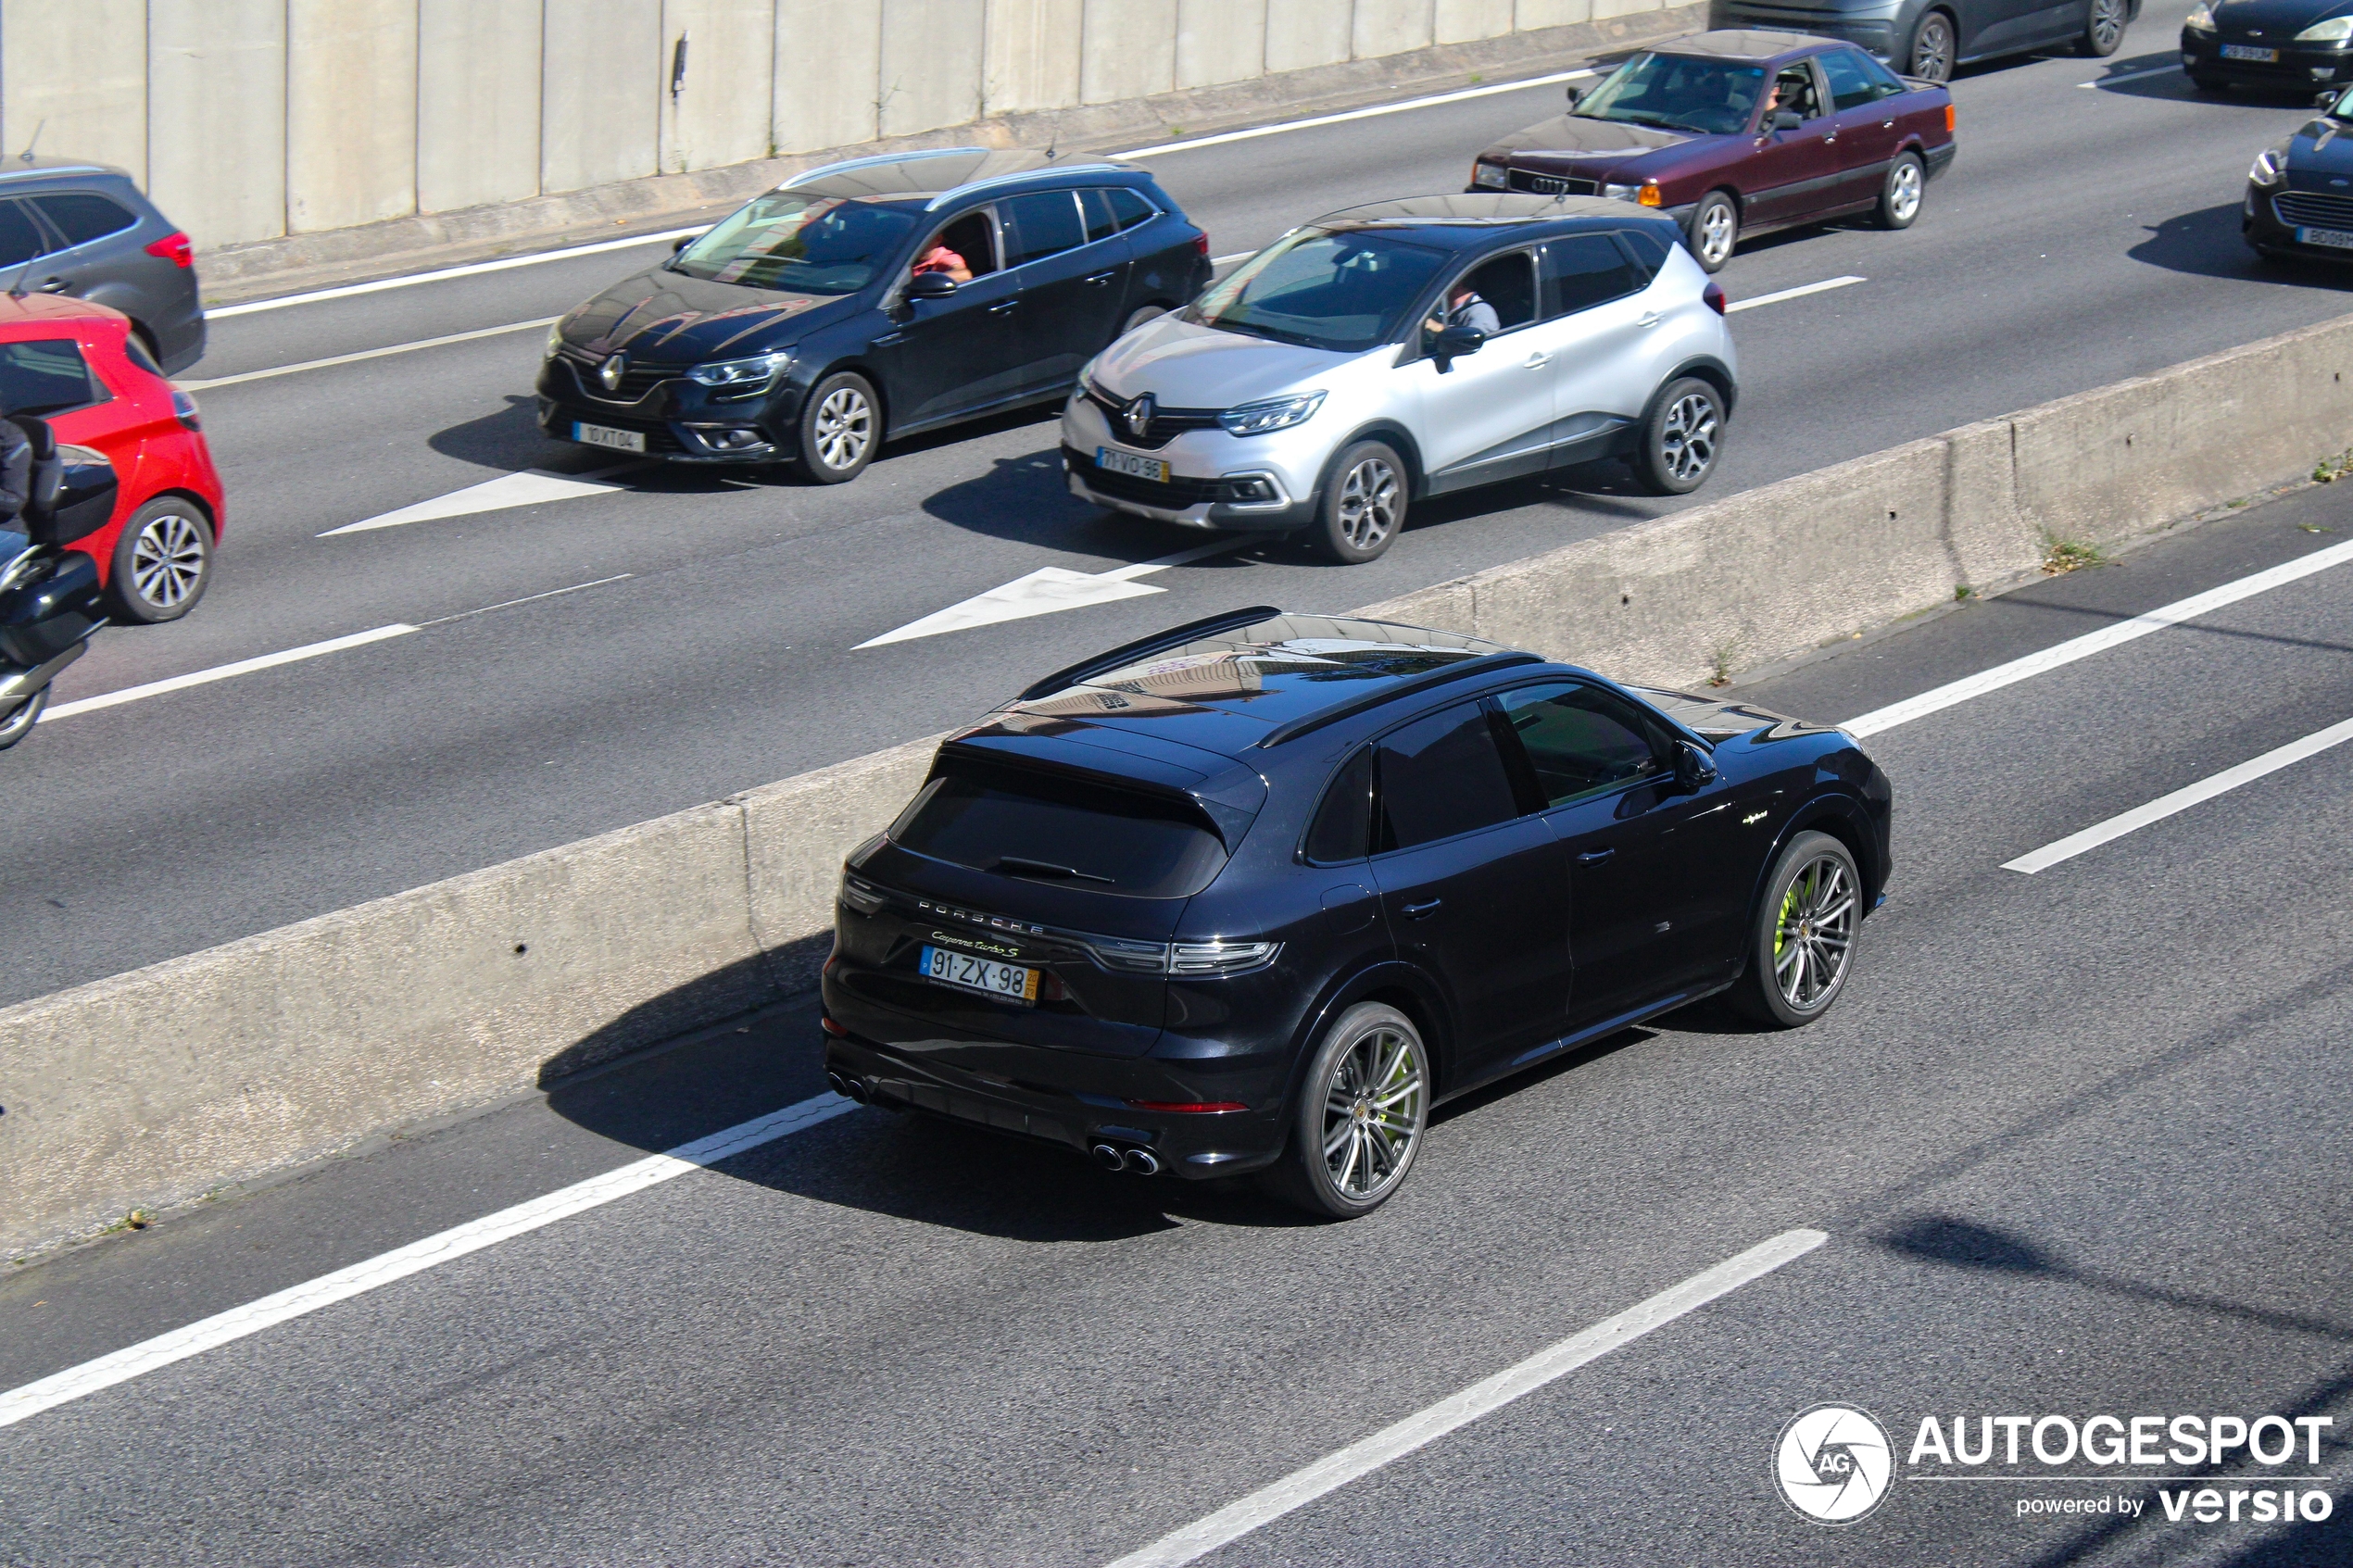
(2269, 167)
(2337, 29)
(555, 341)
(743, 374)
(2200, 20)
(1273, 413)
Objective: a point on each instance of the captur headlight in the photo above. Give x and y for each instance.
(2200, 20)
(2337, 29)
(759, 369)
(1273, 413)
(1490, 175)
(2269, 167)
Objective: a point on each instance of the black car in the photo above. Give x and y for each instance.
(2286, 45)
(1255, 894)
(1925, 39)
(72, 227)
(869, 300)
(2299, 194)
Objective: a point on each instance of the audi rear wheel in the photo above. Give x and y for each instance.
(840, 428)
(1361, 1111)
(1899, 198)
(1714, 230)
(1802, 945)
(162, 563)
(1363, 507)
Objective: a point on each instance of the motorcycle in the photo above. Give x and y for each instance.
(51, 603)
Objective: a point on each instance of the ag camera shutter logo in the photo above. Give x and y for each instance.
(1833, 1464)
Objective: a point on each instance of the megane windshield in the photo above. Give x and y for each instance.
(804, 245)
(1677, 92)
(1343, 290)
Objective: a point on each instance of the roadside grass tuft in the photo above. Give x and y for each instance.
(137, 1220)
(1719, 664)
(2063, 556)
(1963, 592)
(2328, 471)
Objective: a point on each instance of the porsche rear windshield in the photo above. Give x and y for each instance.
(1707, 97)
(1342, 288)
(801, 244)
(1047, 827)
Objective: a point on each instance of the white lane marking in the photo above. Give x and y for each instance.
(2133, 76)
(223, 671)
(1335, 1470)
(1960, 691)
(418, 1256)
(364, 353)
(1048, 589)
(502, 264)
(526, 599)
(528, 488)
(1434, 99)
(2182, 799)
(1798, 293)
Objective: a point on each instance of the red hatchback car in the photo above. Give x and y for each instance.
(1737, 133)
(80, 366)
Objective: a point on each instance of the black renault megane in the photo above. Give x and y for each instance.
(1256, 894)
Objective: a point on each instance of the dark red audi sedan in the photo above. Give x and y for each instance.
(1739, 134)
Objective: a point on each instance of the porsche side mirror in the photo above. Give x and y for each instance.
(1786, 119)
(1693, 768)
(930, 286)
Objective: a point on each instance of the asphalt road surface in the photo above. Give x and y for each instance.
(2073, 1140)
(2084, 234)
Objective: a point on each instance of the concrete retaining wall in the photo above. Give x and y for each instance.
(249, 120)
(155, 1086)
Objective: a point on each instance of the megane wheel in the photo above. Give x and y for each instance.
(1931, 53)
(1363, 508)
(162, 563)
(840, 429)
(1803, 946)
(1362, 1107)
(2105, 29)
(1680, 437)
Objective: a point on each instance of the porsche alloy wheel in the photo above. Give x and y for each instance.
(1802, 942)
(1365, 1104)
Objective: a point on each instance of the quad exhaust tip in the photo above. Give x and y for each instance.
(1143, 1162)
(1110, 1157)
(847, 1087)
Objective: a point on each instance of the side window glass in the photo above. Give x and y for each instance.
(1342, 829)
(1580, 739)
(20, 237)
(1649, 248)
(1440, 776)
(1583, 270)
(47, 376)
(1129, 208)
(1885, 82)
(1507, 284)
(1095, 207)
(1044, 223)
(83, 216)
(1792, 91)
(969, 242)
(1851, 88)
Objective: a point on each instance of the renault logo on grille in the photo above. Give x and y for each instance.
(1139, 415)
(611, 371)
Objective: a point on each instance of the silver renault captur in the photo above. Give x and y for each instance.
(1409, 348)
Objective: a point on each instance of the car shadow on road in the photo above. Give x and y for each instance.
(2205, 244)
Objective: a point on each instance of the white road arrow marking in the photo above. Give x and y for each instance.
(1048, 589)
(526, 489)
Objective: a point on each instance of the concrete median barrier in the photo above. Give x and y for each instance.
(157, 1086)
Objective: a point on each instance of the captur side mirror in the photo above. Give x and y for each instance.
(930, 286)
(1453, 343)
(1786, 119)
(682, 242)
(1573, 92)
(1693, 768)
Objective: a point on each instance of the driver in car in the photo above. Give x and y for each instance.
(1465, 308)
(939, 258)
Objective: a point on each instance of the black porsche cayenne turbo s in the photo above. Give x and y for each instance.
(1256, 894)
(2299, 193)
(869, 300)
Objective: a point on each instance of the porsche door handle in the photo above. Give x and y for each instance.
(1416, 911)
(1006, 308)
(1099, 279)
(1594, 857)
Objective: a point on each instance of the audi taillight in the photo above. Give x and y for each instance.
(174, 248)
(1713, 294)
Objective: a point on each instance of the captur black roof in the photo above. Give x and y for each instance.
(1233, 683)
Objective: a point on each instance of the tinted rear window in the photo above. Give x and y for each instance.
(83, 216)
(1043, 224)
(1441, 776)
(1045, 827)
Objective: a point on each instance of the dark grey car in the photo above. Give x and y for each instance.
(1925, 39)
(73, 226)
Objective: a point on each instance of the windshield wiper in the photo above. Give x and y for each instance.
(1272, 334)
(1025, 867)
